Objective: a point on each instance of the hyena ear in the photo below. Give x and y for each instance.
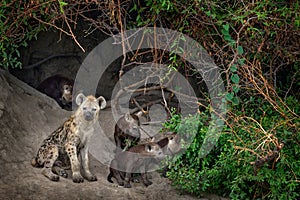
(102, 102)
(139, 114)
(152, 139)
(80, 98)
(127, 117)
(148, 147)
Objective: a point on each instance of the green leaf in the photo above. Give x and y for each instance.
(228, 38)
(226, 27)
(240, 50)
(63, 3)
(208, 13)
(235, 100)
(235, 78)
(149, 3)
(233, 68)
(18, 53)
(235, 88)
(225, 33)
(133, 8)
(241, 61)
(138, 18)
(229, 96)
(232, 42)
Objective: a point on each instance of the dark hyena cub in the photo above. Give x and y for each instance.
(135, 159)
(62, 148)
(127, 131)
(59, 88)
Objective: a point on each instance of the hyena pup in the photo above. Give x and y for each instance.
(64, 147)
(127, 131)
(135, 160)
(170, 142)
(59, 88)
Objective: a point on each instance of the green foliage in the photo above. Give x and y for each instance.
(228, 169)
(158, 6)
(185, 169)
(150, 8)
(226, 34)
(61, 5)
(17, 27)
(231, 96)
(247, 40)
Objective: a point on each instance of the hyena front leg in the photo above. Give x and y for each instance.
(145, 179)
(128, 175)
(75, 164)
(84, 153)
(50, 156)
(116, 173)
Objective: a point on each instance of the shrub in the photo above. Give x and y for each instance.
(229, 169)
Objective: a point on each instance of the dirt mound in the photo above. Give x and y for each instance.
(26, 118)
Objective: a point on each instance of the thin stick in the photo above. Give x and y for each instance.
(72, 34)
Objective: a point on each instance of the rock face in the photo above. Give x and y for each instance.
(26, 118)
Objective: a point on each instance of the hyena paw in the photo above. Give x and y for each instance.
(91, 177)
(147, 183)
(63, 173)
(120, 183)
(77, 178)
(54, 177)
(127, 185)
(135, 180)
(48, 173)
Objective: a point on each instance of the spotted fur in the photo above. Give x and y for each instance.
(61, 149)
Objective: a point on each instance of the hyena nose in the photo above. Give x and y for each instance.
(89, 116)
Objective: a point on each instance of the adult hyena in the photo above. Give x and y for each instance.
(61, 149)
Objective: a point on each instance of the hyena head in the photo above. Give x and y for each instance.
(132, 123)
(67, 94)
(153, 150)
(171, 143)
(89, 107)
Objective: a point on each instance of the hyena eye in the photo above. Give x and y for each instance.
(94, 109)
(84, 108)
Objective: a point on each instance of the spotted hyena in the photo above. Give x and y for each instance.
(62, 148)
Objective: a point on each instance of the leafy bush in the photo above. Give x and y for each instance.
(229, 169)
(18, 25)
